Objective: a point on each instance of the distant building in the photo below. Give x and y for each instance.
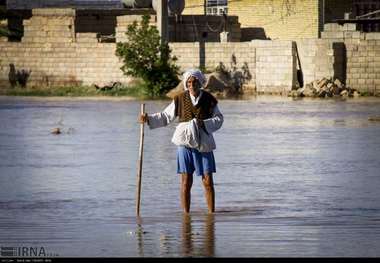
(287, 19)
(256, 19)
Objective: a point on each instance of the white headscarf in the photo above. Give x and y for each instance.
(194, 73)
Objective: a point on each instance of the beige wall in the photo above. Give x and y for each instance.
(316, 59)
(362, 55)
(280, 19)
(56, 55)
(210, 55)
(62, 64)
(194, 7)
(274, 19)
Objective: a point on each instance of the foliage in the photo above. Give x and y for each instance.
(145, 57)
(204, 69)
(3, 30)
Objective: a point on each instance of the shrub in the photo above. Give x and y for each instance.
(145, 57)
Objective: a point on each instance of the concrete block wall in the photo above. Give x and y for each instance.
(49, 63)
(324, 61)
(338, 33)
(275, 66)
(97, 63)
(188, 54)
(317, 59)
(359, 53)
(270, 63)
(363, 65)
(56, 56)
(210, 55)
(229, 53)
(62, 64)
(50, 25)
(122, 23)
(86, 61)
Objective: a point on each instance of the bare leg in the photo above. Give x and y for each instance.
(187, 182)
(208, 184)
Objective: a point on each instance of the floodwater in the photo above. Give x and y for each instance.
(295, 178)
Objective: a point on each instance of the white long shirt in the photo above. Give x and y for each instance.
(161, 119)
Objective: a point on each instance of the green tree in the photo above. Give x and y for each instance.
(145, 57)
(3, 30)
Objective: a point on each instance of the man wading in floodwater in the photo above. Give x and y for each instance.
(199, 117)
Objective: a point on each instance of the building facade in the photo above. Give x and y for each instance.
(270, 19)
(286, 19)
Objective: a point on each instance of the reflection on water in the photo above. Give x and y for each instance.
(139, 234)
(185, 238)
(187, 242)
(204, 241)
(209, 235)
(294, 178)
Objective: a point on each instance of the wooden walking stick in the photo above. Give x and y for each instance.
(140, 161)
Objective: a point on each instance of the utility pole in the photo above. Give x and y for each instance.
(162, 19)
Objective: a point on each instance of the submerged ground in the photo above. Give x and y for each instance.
(294, 178)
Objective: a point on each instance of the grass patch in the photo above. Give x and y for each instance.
(135, 90)
(51, 91)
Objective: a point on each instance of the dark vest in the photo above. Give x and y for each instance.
(186, 111)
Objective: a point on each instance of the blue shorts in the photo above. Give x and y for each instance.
(190, 160)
